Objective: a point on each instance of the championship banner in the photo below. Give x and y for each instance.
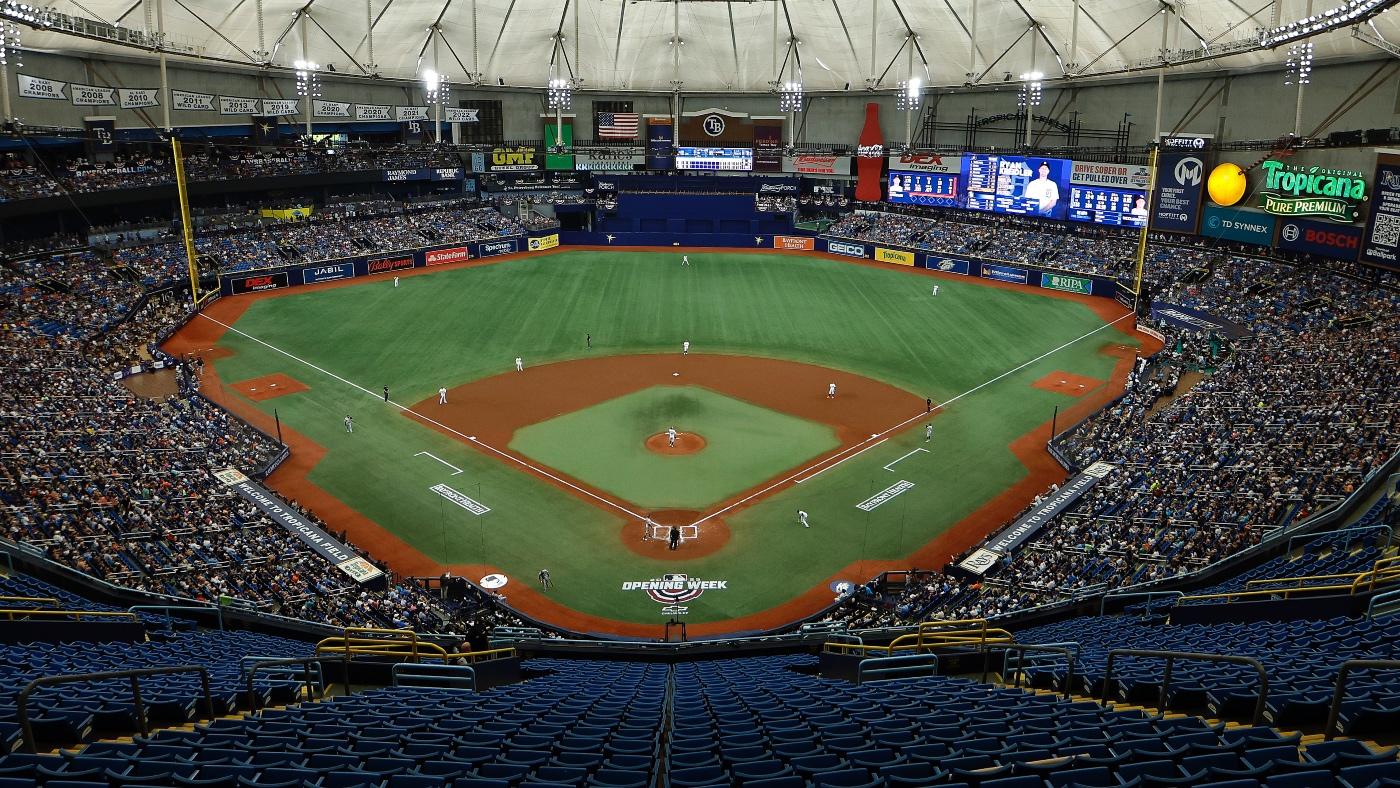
(544, 242)
(312, 535)
(373, 112)
(1118, 176)
(232, 105)
(608, 160)
(92, 96)
(410, 113)
(188, 102)
(280, 107)
(896, 256)
(34, 87)
(138, 98)
(330, 109)
(460, 115)
(1028, 524)
(1381, 244)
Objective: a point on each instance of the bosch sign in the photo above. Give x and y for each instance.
(1320, 238)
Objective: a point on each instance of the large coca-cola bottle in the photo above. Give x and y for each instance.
(870, 156)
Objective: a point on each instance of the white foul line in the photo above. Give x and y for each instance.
(910, 454)
(430, 420)
(439, 459)
(881, 435)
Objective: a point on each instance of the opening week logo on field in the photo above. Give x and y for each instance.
(672, 590)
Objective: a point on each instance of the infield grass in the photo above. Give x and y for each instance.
(456, 326)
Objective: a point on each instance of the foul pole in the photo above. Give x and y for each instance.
(187, 231)
(1142, 237)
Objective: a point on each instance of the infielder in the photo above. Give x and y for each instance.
(671, 436)
(442, 395)
(519, 364)
(928, 433)
(386, 393)
(831, 391)
(349, 424)
(544, 579)
(685, 348)
(802, 518)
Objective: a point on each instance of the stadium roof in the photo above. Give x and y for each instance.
(627, 44)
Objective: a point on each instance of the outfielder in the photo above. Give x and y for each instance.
(935, 289)
(442, 395)
(349, 424)
(396, 281)
(802, 518)
(544, 579)
(685, 259)
(519, 364)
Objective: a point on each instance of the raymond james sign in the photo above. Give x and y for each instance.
(344, 559)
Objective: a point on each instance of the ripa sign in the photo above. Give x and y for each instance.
(1292, 190)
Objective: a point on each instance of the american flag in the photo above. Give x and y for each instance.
(618, 125)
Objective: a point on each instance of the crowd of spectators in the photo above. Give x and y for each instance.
(1292, 417)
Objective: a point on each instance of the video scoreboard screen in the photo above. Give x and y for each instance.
(923, 188)
(1118, 207)
(714, 159)
(1017, 185)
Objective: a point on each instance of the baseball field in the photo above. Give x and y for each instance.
(567, 465)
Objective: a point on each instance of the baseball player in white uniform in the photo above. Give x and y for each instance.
(935, 289)
(519, 364)
(685, 348)
(928, 433)
(831, 391)
(802, 518)
(685, 259)
(670, 436)
(396, 281)
(442, 395)
(349, 424)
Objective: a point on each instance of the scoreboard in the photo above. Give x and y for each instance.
(923, 188)
(692, 158)
(1119, 207)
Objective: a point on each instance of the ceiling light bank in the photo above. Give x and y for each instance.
(1345, 14)
(1311, 191)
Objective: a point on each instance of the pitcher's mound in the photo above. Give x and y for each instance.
(686, 443)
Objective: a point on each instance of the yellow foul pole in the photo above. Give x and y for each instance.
(187, 230)
(1142, 237)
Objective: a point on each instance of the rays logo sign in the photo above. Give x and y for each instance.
(673, 591)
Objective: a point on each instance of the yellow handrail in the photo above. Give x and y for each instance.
(389, 643)
(10, 614)
(487, 655)
(50, 600)
(931, 635)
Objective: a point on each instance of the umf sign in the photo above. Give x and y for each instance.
(518, 159)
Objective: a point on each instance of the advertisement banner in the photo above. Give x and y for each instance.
(383, 265)
(327, 273)
(460, 115)
(34, 87)
(1299, 190)
(399, 176)
(818, 165)
(410, 113)
(191, 102)
(544, 242)
(949, 265)
(660, 144)
(1176, 207)
(767, 148)
(1235, 225)
(926, 162)
(288, 214)
(373, 112)
(1382, 241)
(137, 98)
(297, 525)
(846, 248)
(445, 173)
(795, 242)
(1069, 284)
(494, 248)
(870, 157)
(280, 107)
(1028, 524)
(1196, 320)
(557, 137)
(609, 160)
(91, 96)
(232, 105)
(1320, 238)
(1118, 176)
(254, 284)
(518, 159)
(896, 256)
(330, 109)
(1004, 273)
(452, 254)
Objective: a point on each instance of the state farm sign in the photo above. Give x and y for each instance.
(455, 254)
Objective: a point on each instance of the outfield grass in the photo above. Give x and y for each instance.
(602, 446)
(455, 326)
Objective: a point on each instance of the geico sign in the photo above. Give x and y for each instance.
(850, 250)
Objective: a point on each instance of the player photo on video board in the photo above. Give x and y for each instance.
(1018, 185)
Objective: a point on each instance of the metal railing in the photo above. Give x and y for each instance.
(1172, 656)
(441, 676)
(1069, 650)
(310, 669)
(1383, 604)
(928, 636)
(1383, 572)
(48, 600)
(900, 667)
(1103, 600)
(218, 612)
(1339, 695)
(20, 614)
(1389, 534)
(144, 723)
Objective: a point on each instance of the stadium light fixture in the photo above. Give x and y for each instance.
(10, 52)
(910, 95)
(560, 95)
(1300, 61)
(1029, 94)
(308, 78)
(435, 87)
(1339, 16)
(790, 96)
